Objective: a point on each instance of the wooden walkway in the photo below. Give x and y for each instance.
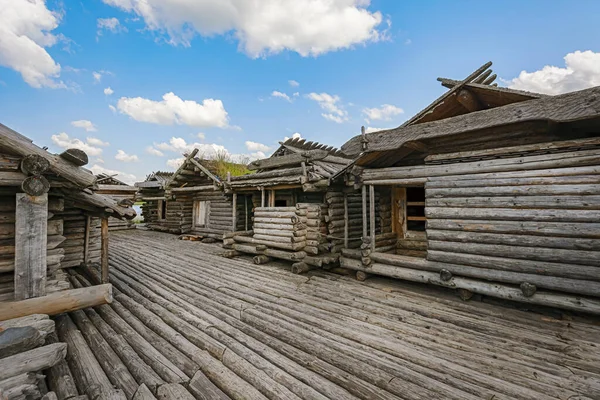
(258, 331)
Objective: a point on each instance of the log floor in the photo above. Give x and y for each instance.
(207, 327)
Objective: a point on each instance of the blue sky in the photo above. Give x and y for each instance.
(355, 63)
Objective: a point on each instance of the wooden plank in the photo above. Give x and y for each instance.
(86, 239)
(33, 360)
(234, 213)
(206, 171)
(31, 225)
(104, 250)
(346, 222)
(364, 211)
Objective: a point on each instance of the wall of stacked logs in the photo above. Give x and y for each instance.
(523, 227)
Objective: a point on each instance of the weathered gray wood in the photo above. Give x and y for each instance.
(364, 211)
(89, 376)
(34, 164)
(86, 240)
(104, 251)
(173, 391)
(143, 393)
(346, 222)
(50, 396)
(534, 202)
(41, 322)
(59, 376)
(514, 215)
(19, 339)
(562, 108)
(10, 387)
(514, 149)
(203, 389)
(33, 360)
(12, 140)
(580, 158)
(287, 160)
(31, 224)
(75, 156)
(372, 216)
(58, 302)
(535, 190)
(113, 367)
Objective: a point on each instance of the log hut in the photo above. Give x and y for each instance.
(51, 218)
(122, 193)
(289, 207)
(191, 200)
(493, 191)
(151, 193)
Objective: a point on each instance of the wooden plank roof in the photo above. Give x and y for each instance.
(570, 107)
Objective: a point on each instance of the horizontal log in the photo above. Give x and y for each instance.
(286, 246)
(59, 302)
(285, 255)
(533, 202)
(246, 248)
(526, 181)
(514, 215)
(515, 240)
(280, 239)
(519, 174)
(499, 191)
(284, 227)
(33, 360)
(580, 257)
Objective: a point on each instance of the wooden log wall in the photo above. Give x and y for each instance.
(528, 222)
(74, 230)
(55, 252)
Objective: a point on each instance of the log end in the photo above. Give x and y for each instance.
(528, 289)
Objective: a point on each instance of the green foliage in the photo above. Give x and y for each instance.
(223, 163)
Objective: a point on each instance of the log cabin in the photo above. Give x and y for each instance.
(290, 209)
(122, 193)
(191, 200)
(51, 219)
(493, 191)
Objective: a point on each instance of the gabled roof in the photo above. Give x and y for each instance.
(296, 145)
(105, 179)
(157, 179)
(570, 107)
(474, 93)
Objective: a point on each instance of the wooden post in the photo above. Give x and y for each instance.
(372, 215)
(245, 213)
(31, 227)
(234, 213)
(272, 198)
(346, 221)
(104, 250)
(86, 240)
(364, 211)
(262, 197)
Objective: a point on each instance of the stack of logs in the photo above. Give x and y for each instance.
(29, 348)
(362, 260)
(336, 217)
(76, 226)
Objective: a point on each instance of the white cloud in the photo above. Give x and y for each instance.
(122, 156)
(330, 104)
(296, 135)
(172, 109)
(259, 155)
(296, 94)
(25, 31)
(84, 124)
(127, 178)
(97, 76)
(284, 96)
(109, 24)
(155, 152)
(581, 71)
(254, 146)
(308, 27)
(64, 141)
(179, 145)
(200, 136)
(108, 91)
(97, 142)
(293, 83)
(383, 113)
(112, 108)
(175, 162)
(370, 129)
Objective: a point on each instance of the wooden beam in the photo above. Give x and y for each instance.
(86, 240)
(468, 100)
(372, 215)
(206, 171)
(104, 250)
(262, 196)
(75, 156)
(31, 226)
(364, 211)
(10, 139)
(290, 159)
(234, 213)
(57, 302)
(182, 166)
(346, 221)
(443, 97)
